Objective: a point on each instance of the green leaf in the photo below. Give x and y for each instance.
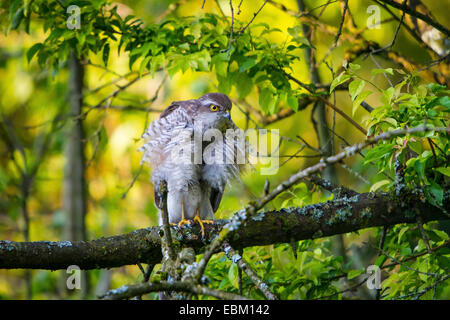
(444, 171)
(415, 146)
(292, 101)
(18, 16)
(283, 258)
(380, 71)
(157, 62)
(267, 100)
(106, 54)
(379, 152)
(436, 87)
(391, 121)
(361, 97)
(32, 51)
(202, 60)
(244, 85)
(378, 185)
(401, 233)
(354, 66)
(341, 78)
(221, 66)
(380, 260)
(225, 84)
(355, 87)
(441, 234)
(405, 251)
(247, 64)
(436, 193)
(445, 101)
(420, 164)
(233, 275)
(388, 95)
(144, 64)
(354, 273)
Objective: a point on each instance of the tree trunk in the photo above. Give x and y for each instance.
(324, 138)
(74, 179)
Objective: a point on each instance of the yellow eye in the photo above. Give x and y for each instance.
(213, 108)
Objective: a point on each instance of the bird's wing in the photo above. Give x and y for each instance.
(215, 198)
(174, 105)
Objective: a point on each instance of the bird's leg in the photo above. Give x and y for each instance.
(183, 219)
(201, 222)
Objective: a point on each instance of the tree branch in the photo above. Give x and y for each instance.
(129, 291)
(418, 15)
(239, 260)
(143, 246)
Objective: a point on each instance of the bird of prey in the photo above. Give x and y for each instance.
(196, 149)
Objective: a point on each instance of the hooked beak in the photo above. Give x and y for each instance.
(227, 116)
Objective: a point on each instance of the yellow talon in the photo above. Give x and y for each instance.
(183, 222)
(197, 219)
(183, 219)
(201, 222)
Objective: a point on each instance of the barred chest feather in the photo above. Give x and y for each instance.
(176, 130)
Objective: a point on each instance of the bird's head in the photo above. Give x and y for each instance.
(214, 110)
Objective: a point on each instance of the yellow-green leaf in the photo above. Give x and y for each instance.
(378, 185)
(445, 171)
(361, 97)
(355, 87)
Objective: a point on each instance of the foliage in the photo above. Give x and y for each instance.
(200, 44)
(418, 104)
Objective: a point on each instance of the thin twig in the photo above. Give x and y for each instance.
(241, 253)
(434, 62)
(162, 190)
(396, 31)
(328, 103)
(253, 18)
(327, 185)
(418, 15)
(422, 292)
(410, 31)
(239, 7)
(129, 291)
(404, 265)
(132, 182)
(341, 24)
(352, 288)
(381, 246)
(424, 235)
(239, 260)
(231, 27)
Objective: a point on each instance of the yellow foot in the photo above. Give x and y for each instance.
(183, 222)
(201, 222)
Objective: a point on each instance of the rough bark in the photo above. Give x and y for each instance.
(74, 179)
(283, 226)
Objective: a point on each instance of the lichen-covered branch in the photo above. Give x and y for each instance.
(239, 260)
(129, 291)
(327, 185)
(280, 226)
